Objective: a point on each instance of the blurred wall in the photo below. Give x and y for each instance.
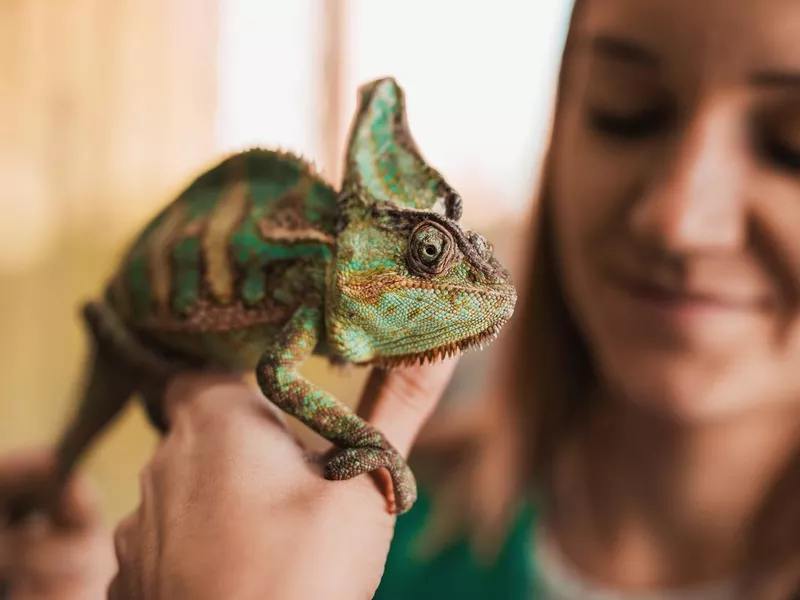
(105, 109)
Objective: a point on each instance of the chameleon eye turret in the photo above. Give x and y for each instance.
(260, 263)
(431, 250)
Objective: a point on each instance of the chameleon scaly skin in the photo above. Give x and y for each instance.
(259, 264)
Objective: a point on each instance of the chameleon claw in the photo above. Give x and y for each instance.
(353, 462)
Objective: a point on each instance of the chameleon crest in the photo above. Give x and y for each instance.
(259, 263)
(382, 161)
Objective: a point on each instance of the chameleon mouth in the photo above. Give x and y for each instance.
(478, 340)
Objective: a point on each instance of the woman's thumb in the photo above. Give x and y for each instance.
(399, 401)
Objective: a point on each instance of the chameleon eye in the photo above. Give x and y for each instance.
(431, 249)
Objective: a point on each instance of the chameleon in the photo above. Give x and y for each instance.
(259, 263)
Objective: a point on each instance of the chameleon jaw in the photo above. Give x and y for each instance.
(434, 355)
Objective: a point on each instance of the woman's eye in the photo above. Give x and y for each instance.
(775, 135)
(628, 126)
(783, 155)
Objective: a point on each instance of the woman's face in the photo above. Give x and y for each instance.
(677, 200)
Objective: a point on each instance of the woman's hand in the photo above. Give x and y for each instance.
(232, 507)
(66, 555)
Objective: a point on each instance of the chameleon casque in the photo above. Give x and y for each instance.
(259, 263)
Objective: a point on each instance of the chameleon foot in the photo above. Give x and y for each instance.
(352, 462)
(363, 448)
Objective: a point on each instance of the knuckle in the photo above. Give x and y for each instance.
(114, 591)
(147, 471)
(211, 402)
(120, 542)
(123, 537)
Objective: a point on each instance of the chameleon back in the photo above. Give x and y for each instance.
(224, 266)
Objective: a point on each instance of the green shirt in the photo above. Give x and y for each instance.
(454, 573)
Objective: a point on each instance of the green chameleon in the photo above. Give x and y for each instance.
(259, 264)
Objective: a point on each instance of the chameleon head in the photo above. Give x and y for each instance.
(410, 285)
(408, 282)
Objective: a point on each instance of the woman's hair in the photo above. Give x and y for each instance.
(505, 446)
(544, 373)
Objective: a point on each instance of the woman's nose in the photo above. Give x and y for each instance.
(696, 199)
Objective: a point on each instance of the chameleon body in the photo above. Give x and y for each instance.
(259, 263)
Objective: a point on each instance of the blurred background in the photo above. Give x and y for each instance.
(108, 109)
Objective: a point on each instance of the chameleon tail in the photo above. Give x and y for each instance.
(106, 389)
(119, 367)
(115, 370)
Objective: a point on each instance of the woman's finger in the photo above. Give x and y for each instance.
(123, 588)
(399, 401)
(124, 535)
(126, 550)
(5, 556)
(23, 472)
(79, 505)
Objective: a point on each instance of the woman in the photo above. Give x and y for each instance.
(647, 444)
(655, 402)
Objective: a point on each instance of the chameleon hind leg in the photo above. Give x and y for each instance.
(362, 447)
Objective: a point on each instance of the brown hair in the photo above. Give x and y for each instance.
(485, 465)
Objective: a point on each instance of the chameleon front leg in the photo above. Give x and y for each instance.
(363, 448)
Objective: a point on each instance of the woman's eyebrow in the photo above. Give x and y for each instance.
(619, 48)
(612, 46)
(776, 78)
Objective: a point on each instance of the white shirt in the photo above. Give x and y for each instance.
(560, 580)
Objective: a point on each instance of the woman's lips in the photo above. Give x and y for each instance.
(653, 300)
